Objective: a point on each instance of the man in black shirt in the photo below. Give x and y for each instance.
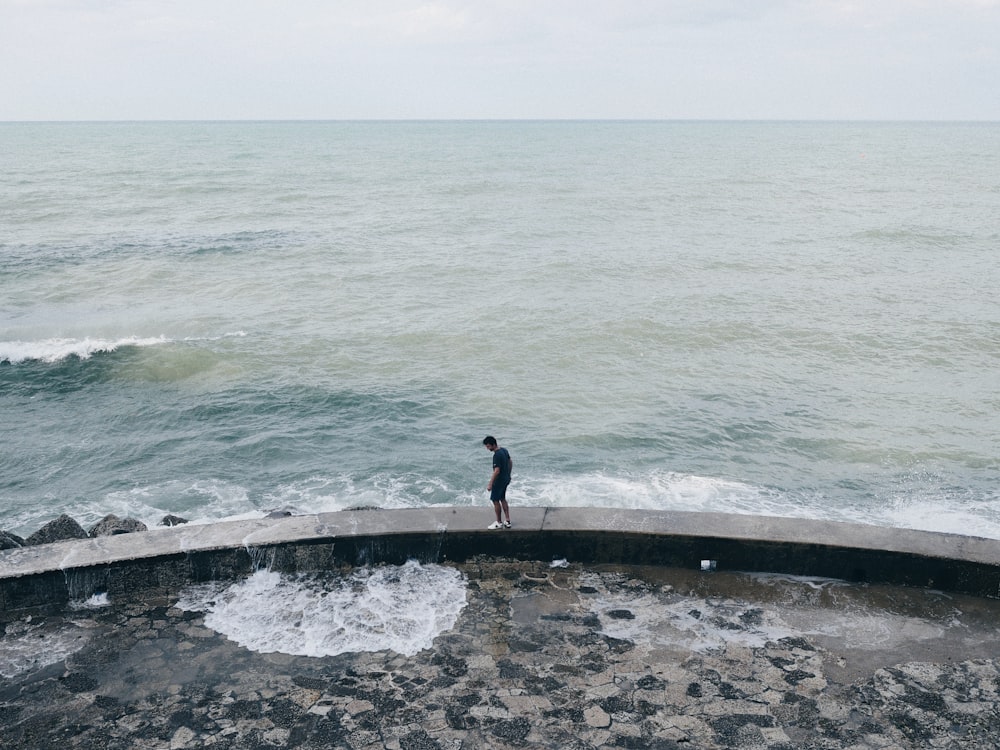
(502, 465)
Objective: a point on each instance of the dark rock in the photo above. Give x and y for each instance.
(531, 583)
(77, 682)
(511, 671)
(58, 530)
(828, 728)
(418, 740)
(10, 541)
(618, 645)
(458, 717)
(649, 682)
(593, 663)
(568, 713)
(385, 703)
(561, 617)
(542, 686)
(780, 661)
(328, 732)
(452, 666)
(513, 730)
(111, 708)
(646, 708)
(244, 709)
(182, 718)
(870, 727)
(910, 726)
(796, 642)
(284, 713)
(924, 700)
(621, 614)
(112, 525)
(733, 729)
(310, 683)
(614, 704)
(521, 645)
(567, 669)
(551, 684)
(730, 692)
(808, 713)
(796, 676)
(169, 520)
(642, 743)
(279, 514)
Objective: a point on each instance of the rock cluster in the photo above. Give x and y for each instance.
(9, 540)
(540, 658)
(65, 527)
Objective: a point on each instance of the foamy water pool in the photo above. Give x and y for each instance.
(385, 608)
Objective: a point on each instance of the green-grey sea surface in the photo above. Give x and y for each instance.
(221, 319)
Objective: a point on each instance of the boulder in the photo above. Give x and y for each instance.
(10, 541)
(170, 520)
(58, 530)
(112, 524)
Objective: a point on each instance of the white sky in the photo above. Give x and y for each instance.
(413, 59)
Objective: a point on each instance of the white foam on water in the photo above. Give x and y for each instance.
(860, 627)
(660, 490)
(57, 349)
(27, 648)
(940, 514)
(686, 625)
(199, 501)
(385, 608)
(667, 490)
(327, 494)
(816, 583)
(96, 601)
(866, 629)
(211, 500)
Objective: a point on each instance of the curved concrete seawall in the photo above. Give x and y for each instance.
(164, 560)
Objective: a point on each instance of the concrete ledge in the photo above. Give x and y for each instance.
(164, 560)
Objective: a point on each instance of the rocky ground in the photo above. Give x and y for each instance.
(541, 657)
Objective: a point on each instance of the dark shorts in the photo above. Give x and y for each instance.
(499, 492)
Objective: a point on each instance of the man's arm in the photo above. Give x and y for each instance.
(493, 476)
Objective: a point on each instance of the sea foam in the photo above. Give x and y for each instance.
(28, 647)
(401, 609)
(58, 349)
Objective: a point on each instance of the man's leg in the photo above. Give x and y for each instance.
(506, 510)
(496, 508)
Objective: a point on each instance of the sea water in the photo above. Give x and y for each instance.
(372, 609)
(216, 320)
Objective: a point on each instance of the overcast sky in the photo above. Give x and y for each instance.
(415, 59)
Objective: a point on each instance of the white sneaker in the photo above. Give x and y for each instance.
(506, 524)
(495, 525)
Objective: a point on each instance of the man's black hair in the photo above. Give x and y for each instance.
(489, 440)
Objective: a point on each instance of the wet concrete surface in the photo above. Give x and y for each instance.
(540, 657)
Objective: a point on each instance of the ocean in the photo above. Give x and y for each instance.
(221, 319)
